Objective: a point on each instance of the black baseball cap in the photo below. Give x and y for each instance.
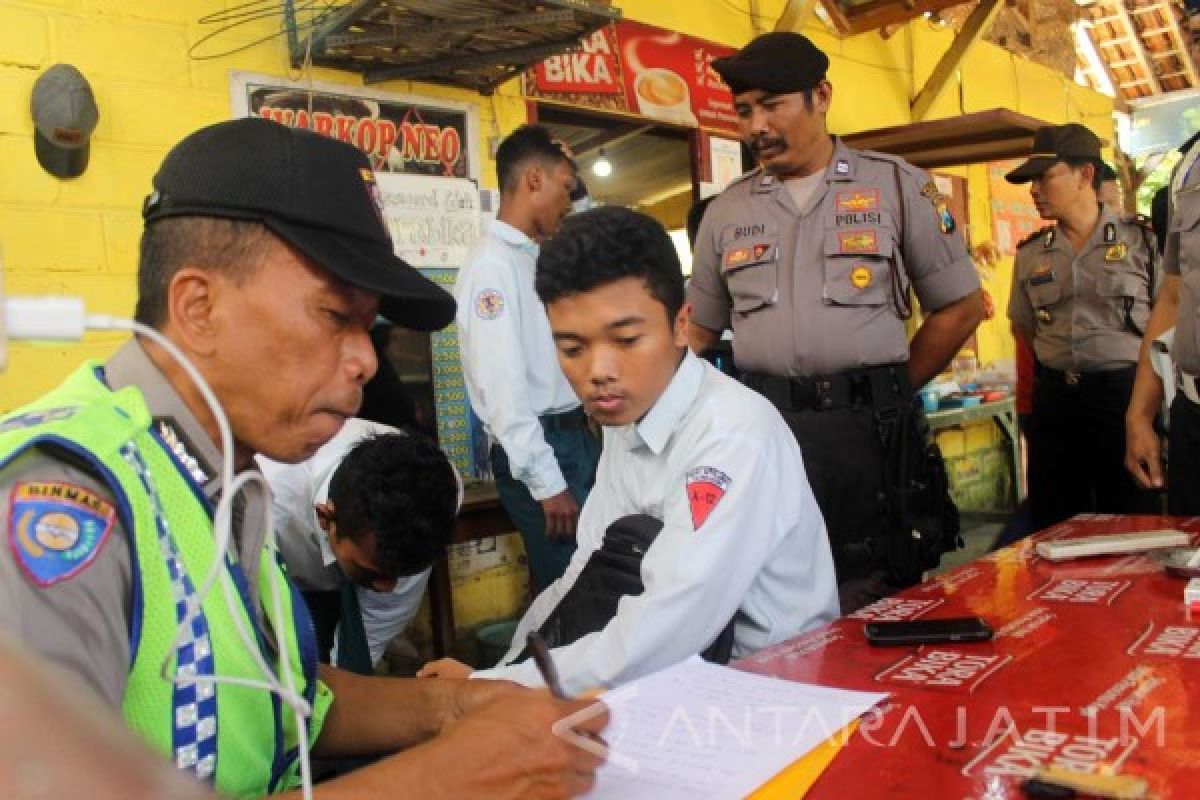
(1055, 143)
(316, 193)
(779, 62)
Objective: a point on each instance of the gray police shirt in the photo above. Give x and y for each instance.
(821, 292)
(1074, 304)
(1182, 258)
(83, 622)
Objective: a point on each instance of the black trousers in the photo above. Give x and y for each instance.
(1183, 458)
(844, 461)
(1077, 448)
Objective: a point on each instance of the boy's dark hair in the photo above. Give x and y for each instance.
(605, 245)
(525, 143)
(400, 488)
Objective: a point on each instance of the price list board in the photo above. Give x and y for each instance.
(451, 407)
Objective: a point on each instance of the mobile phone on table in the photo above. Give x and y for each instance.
(928, 631)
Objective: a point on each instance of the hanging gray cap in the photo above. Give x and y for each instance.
(64, 116)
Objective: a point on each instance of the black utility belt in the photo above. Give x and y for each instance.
(573, 420)
(1118, 376)
(874, 387)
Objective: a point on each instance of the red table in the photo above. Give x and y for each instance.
(1095, 662)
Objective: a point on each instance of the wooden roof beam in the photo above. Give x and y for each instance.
(1179, 38)
(972, 31)
(1139, 50)
(1090, 32)
(794, 14)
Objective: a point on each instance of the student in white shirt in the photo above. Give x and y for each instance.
(742, 536)
(358, 526)
(543, 455)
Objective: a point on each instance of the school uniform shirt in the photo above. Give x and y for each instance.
(741, 534)
(508, 357)
(295, 490)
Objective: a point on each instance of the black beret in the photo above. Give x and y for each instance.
(779, 62)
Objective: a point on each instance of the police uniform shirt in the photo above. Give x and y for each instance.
(1182, 258)
(508, 356)
(1074, 303)
(295, 490)
(741, 533)
(83, 622)
(813, 293)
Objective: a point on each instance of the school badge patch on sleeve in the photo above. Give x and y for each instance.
(489, 304)
(705, 488)
(56, 529)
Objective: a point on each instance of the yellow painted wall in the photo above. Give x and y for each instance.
(81, 236)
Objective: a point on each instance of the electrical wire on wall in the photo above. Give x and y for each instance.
(253, 12)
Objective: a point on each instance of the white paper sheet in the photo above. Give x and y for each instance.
(697, 730)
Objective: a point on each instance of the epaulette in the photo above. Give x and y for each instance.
(875, 155)
(1035, 235)
(745, 176)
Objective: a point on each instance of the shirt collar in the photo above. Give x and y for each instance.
(174, 422)
(510, 235)
(842, 166)
(663, 418)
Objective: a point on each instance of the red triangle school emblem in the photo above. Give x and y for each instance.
(705, 488)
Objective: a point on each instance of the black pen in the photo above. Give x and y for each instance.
(545, 665)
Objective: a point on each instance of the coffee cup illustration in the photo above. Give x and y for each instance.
(662, 94)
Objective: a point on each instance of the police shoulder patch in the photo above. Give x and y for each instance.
(1033, 237)
(705, 488)
(55, 529)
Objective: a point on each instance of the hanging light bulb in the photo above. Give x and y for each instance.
(602, 167)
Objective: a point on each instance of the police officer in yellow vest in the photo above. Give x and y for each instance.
(810, 261)
(1081, 295)
(265, 260)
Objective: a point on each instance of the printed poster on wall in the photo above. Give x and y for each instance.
(411, 135)
(459, 431)
(433, 222)
(639, 69)
(1013, 214)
